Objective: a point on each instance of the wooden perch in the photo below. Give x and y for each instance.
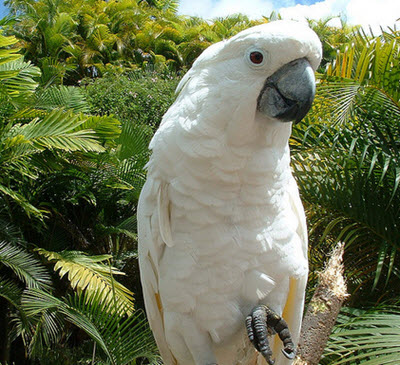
(323, 310)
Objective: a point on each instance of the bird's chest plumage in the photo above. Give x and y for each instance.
(234, 238)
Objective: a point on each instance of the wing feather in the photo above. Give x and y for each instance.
(153, 229)
(293, 310)
(164, 215)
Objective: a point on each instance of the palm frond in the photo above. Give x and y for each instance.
(25, 266)
(106, 127)
(134, 153)
(59, 130)
(9, 232)
(350, 186)
(364, 77)
(121, 339)
(90, 274)
(39, 332)
(369, 338)
(61, 96)
(19, 199)
(346, 162)
(17, 80)
(7, 55)
(134, 141)
(10, 291)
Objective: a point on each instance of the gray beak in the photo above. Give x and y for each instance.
(287, 95)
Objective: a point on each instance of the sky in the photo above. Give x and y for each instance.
(356, 12)
(3, 10)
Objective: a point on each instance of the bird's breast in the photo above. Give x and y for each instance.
(234, 212)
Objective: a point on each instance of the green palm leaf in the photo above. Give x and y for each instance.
(90, 274)
(61, 96)
(107, 127)
(350, 186)
(7, 55)
(10, 291)
(57, 130)
(346, 163)
(363, 77)
(17, 78)
(121, 339)
(25, 266)
(18, 198)
(372, 338)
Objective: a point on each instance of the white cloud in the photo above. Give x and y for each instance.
(210, 9)
(318, 10)
(364, 12)
(373, 12)
(357, 12)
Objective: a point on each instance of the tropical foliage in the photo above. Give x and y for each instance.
(347, 165)
(73, 39)
(365, 337)
(49, 142)
(135, 97)
(70, 40)
(354, 156)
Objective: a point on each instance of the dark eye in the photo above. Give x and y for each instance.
(256, 57)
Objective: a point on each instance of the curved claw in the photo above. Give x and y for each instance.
(263, 320)
(289, 353)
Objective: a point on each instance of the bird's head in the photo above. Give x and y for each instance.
(266, 71)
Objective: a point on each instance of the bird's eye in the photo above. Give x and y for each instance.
(256, 57)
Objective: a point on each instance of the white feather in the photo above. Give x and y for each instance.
(164, 215)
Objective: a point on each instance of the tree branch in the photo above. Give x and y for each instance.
(323, 310)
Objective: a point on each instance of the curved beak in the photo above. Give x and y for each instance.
(287, 95)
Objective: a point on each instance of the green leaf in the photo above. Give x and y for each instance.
(122, 339)
(22, 201)
(369, 338)
(10, 291)
(25, 266)
(90, 274)
(67, 97)
(59, 130)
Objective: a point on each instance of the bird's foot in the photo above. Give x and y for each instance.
(264, 321)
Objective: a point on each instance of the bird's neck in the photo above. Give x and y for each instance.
(259, 132)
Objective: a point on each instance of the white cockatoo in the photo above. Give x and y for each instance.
(222, 231)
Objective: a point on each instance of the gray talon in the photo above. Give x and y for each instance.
(263, 321)
(289, 354)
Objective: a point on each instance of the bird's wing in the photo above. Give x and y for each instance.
(154, 235)
(294, 307)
